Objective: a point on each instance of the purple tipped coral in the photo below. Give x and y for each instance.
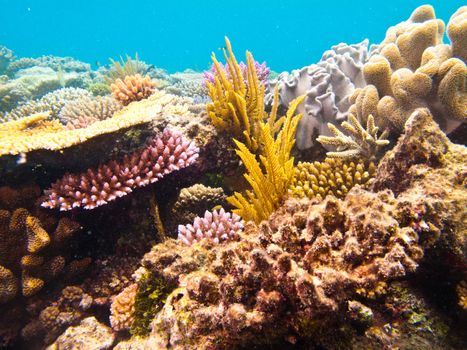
(164, 154)
(262, 70)
(218, 226)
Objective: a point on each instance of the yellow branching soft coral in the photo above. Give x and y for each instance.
(414, 69)
(334, 176)
(271, 181)
(462, 294)
(360, 142)
(237, 107)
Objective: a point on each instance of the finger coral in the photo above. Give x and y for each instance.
(29, 244)
(122, 310)
(360, 142)
(218, 226)
(83, 112)
(334, 176)
(95, 187)
(414, 69)
(132, 88)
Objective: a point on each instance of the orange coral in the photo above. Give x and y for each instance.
(133, 88)
(122, 311)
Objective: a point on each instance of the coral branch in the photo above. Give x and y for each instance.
(164, 154)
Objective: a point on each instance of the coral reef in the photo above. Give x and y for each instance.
(132, 88)
(83, 112)
(327, 86)
(414, 69)
(6, 57)
(121, 69)
(217, 226)
(309, 260)
(360, 143)
(332, 176)
(95, 187)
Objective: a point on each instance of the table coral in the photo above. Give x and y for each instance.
(413, 69)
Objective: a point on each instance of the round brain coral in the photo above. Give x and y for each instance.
(133, 88)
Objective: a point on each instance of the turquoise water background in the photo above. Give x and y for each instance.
(182, 34)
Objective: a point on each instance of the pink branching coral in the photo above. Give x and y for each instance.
(95, 187)
(217, 225)
(262, 70)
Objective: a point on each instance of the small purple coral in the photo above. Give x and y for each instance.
(217, 225)
(164, 154)
(262, 70)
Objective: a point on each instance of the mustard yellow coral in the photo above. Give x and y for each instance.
(414, 69)
(237, 107)
(334, 176)
(271, 181)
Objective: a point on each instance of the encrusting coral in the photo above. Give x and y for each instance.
(218, 226)
(296, 273)
(132, 88)
(83, 112)
(164, 154)
(363, 143)
(332, 176)
(414, 69)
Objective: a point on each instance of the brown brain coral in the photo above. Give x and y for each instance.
(132, 88)
(29, 244)
(413, 69)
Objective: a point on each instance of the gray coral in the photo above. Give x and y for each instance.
(327, 86)
(86, 110)
(53, 102)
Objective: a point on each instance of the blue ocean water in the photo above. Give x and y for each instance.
(182, 34)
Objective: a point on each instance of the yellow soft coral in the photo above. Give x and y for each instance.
(271, 181)
(237, 107)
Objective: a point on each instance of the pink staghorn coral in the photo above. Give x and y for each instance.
(218, 226)
(95, 187)
(262, 70)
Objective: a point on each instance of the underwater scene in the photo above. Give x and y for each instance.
(233, 175)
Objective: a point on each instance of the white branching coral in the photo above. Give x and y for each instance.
(359, 143)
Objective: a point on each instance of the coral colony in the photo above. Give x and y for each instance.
(321, 209)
